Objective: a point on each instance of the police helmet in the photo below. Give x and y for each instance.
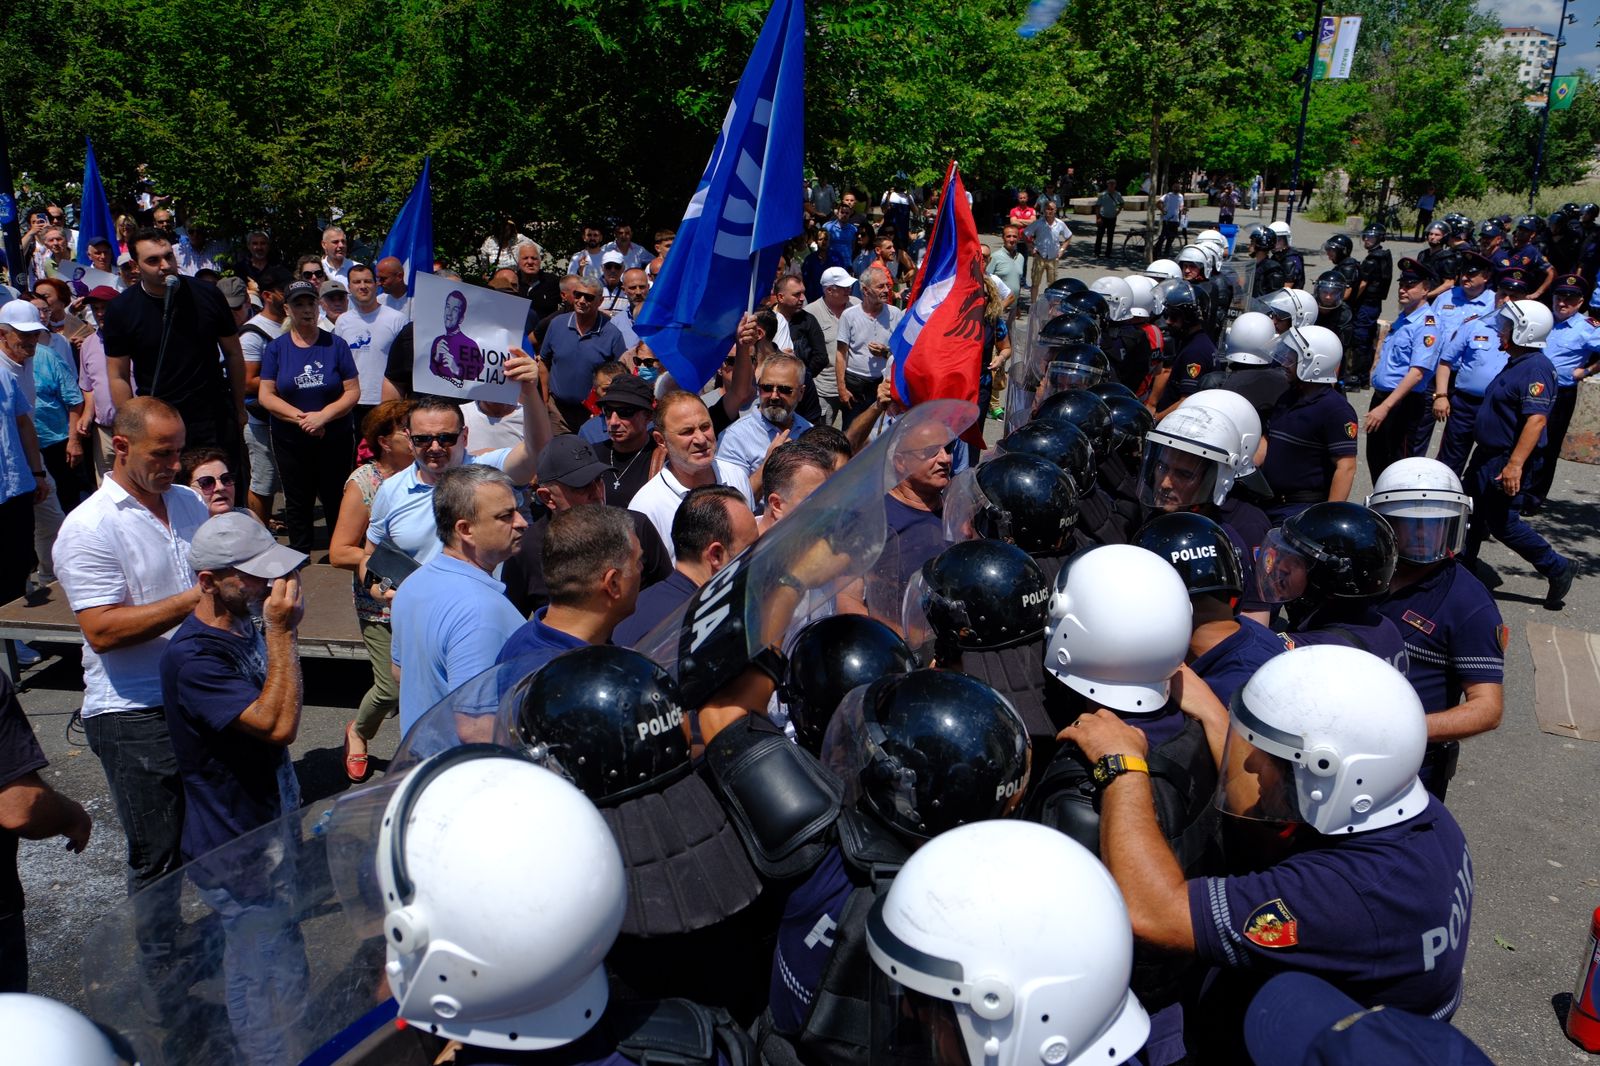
(1330, 550)
(1063, 443)
(1439, 226)
(977, 594)
(1118, 294)
(1130, 421)
(1032, 503)
(1183, 303)
(830, 657)
(1076, 364)
(1262, 239)
(1375, 233)
(1530, 223)
(1082, 409)
(1588, 211)
(1193, 255)
(1199, 549)
(928, 751)
(1066, 286)
(1070, 326)
(1092, 304)
(1462, 226)
(1424, 503)
(608, 719)
(1339, 243)
(1329, 290)
(1107, 389)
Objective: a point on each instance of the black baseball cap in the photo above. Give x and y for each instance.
(628, 391)
(568, 459)
(297, 289)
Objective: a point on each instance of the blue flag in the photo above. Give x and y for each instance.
(95, 221)
(749, 201)
(410, 239)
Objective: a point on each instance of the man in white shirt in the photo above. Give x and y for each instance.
(334, 260)
(683, 427)
(862, 350)
(1048, 237)
(826, 309)
(369, 328)
(123, 560)
(392, 281)
(1171, 208)
(259, 331)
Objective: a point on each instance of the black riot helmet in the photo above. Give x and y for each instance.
(1091, 304)
(927, 751)
(1075, 364)
(1082, 409)
(608, 719)
(1066, 286)
(1339, 247)
(1107, 389)
(1328, 551)
(975, 595)
(1130, 422)
(830, 657)
(1063, 444)
(1462, 227)
(1184, 304)
(1375, 233)
(1070, 327)
(1199, 549)
(1262, 239)
(1329, 290)
(1031, 502)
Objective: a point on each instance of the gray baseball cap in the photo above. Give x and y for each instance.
(237, 541)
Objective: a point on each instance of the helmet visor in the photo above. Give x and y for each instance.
(1063, 377)
(1255, 784)
(915, 625)
(969, 514)
(1282, 569)
(1329, 294)
(1173, 479)
(1425, 539)
(908, 1026)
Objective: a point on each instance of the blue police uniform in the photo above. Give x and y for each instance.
(1455, 307)
(1226, 667)
(1530, 257)
(1412, 343)
(1500, 259)
(1474, 355)
(1572, 343)
(1526, 387)
(805, 940)
(1195, 357)
(1355, 624)
(1309, 430)
(1382, 915)
(1246, 526)
(1454, 637)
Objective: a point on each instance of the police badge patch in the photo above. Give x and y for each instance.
(1271, 925)
(1427, 342)
(1502, 636)
(1350, 430)
(1536, 389)
(1193, 370)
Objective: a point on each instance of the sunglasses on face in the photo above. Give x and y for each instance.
(585, 296)
(646, 362)
(623, 413)
(781, 390)
(58, 218)
(309, 274)
(423, 440)
(206, 482)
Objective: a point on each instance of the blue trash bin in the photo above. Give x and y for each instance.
(1230, 231)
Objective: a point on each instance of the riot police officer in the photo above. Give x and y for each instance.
(1124, 340)
(1329, 565)
(1311, 430)
(1455, 642)
(1438, 256)
(1323, 746)
(1491, 243)
(1098, 514)
(1372, 288)
(919, 754)
(1294, 265)
(1332, 312)
(1224, 649)
(1193, 351)
(1019, 498)
(1527, 255)
(1270, 275)
(1251, 371)
(1339, 251)
(828, 658)
(1118, 465)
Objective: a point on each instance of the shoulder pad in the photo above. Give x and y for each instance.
(677, 1032)
(778, 796)
(1066, 799)
(869, 846)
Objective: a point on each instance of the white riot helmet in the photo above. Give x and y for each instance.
(1213, 237)
(41, 1030)
(494, 939)
(1312, 353)
(1305, 307)
(1214, 256)
(1291, 307)
(1281, 230)
(1250, 340)
(1530, 322)
(1147, 302)
(1119, 297)
(1194, 255)
(1120, 620)
(1190, 459)
(1242, 413)
(1043, 979)
(1164, 270)
(1424, 503)
(1329, 736)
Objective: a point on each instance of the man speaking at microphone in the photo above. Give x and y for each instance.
(161, 339)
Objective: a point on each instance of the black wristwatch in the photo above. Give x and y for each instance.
(1111, 767)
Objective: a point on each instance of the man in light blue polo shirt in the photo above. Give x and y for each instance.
(451, 617)
(747, 442)
(402, 511)
(574, 345)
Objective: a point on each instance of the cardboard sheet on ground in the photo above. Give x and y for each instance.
(1566, 680)
(464, 335)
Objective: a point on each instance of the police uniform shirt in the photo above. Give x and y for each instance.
(805, 940)
(1527, 386)
(1354, 624)
(1246, 526)
(1195, 357)
(1453, 634)
(1308, 432)
(1500, 259)
(1474, 354)
(1226, 667)
(1455, 308)
(1377, 270)
(1382, 915)
(1413, 342)
(1572, 343)
(1530, 258)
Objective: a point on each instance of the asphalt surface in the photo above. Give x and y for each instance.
(1528, 801)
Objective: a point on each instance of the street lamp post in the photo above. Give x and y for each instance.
(1305, 107)
(1549, 87)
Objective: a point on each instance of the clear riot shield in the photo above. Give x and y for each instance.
(248, 954)
(1241, 277)
(1028, 362)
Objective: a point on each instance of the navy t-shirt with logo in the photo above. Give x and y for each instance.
(1226, 667)
(1309, 432)
(1453, 634)
(1526, 386)
(309, 378)
(805, 941)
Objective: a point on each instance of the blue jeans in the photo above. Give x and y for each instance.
(135, 750)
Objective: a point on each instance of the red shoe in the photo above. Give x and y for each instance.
(356, 766)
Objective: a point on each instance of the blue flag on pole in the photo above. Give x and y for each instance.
(95, 221)
(410, 239)
(749, 201)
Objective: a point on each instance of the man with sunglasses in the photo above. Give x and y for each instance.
(574, 345)
(627, 408)
(772, 421)
(801, 335)
(1396, 423)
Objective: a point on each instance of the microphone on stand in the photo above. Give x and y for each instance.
(166, 329)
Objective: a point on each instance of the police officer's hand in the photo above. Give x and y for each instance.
(1103, 733)
(1195, 698)
(1511, 479)
(1441, 408)
(1375, 417)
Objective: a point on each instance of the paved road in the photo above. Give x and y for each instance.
(1527, 800)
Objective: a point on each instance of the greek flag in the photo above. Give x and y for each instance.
(410, 239)
(749, 201)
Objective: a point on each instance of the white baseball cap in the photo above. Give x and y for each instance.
(613, 257)
(837, 276)
(21, 316)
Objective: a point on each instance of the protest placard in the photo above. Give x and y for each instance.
(463, 335)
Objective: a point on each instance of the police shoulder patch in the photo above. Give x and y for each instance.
(1536, 389)
(1193, 370)
(1271, 925)
(1502, 636)
(1350, 430)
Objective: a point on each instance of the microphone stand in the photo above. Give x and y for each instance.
(166, 330)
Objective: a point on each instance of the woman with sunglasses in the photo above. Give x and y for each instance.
(385, 433)
(205, 471)
(309, 385)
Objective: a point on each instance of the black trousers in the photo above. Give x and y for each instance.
(16, 546)
(1396, 438)
(312, 470)
(68, 480)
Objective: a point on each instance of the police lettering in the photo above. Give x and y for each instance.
(1030, 599)
(1201, 551)
(661, 723)
(1007, 790)
(1436, 942)
(710, 612)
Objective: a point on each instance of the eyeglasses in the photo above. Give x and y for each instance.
(781, 390)
(640, 360)
(57, 218)
(206, 482)
(446, 440)
(309, 274)
(576, 296)
(624, 413)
